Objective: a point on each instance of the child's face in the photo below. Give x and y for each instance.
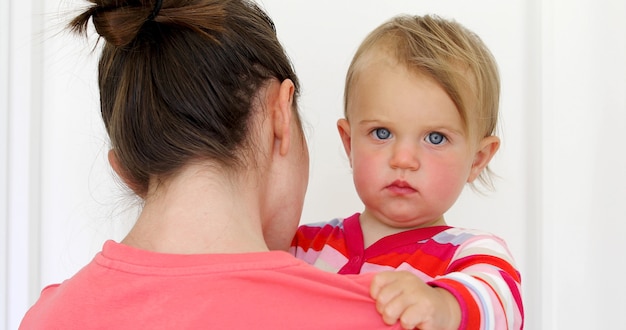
(407, 145)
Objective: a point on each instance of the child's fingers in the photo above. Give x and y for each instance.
(391, 310)
(379, 281)
(392, 300)
(384, 292)
(410, 317)
(392, 281)
(401, 307)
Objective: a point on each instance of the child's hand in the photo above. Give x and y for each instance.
(403, 296)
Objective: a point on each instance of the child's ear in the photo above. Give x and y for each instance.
(343, 126)
(487, 148)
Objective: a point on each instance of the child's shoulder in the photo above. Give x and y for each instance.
(459, 235)
(473, 242)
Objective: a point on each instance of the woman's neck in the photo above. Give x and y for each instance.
(200, 211)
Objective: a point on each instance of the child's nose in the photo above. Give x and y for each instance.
(405, 156)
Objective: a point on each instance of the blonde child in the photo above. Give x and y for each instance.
(421, 107)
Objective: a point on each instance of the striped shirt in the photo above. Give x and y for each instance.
(476, 267)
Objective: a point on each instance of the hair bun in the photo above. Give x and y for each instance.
(120, 23)
(117, 22)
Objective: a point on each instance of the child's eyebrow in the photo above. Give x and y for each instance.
(369, 121)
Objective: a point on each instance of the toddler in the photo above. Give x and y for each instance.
(421, 107)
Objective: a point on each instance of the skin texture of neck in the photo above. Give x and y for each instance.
(207, 209)
(200, 211)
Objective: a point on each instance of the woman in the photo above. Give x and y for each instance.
(199, 101)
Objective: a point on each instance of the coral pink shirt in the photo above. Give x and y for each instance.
(128, 288)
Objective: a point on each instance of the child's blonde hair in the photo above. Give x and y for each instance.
(453, 56)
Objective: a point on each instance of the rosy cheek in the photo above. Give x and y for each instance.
(447, 180)
(366, 163)
(364, 169)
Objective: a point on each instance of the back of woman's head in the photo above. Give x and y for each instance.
(178, 80)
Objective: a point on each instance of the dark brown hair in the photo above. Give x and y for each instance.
(180, 85)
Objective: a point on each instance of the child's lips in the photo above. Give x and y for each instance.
(401, 187)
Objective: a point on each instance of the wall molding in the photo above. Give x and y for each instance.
(22, 87)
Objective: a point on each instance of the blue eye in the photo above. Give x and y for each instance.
(381, 133)
(436, 138)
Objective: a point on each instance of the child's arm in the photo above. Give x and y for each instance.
(481, 280)
(402, 296)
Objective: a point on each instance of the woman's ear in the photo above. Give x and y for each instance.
(343, 126)
(487, 148)
(123, 173)
(280, 104)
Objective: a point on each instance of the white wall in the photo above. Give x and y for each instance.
(562, 165)
(584, 164)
